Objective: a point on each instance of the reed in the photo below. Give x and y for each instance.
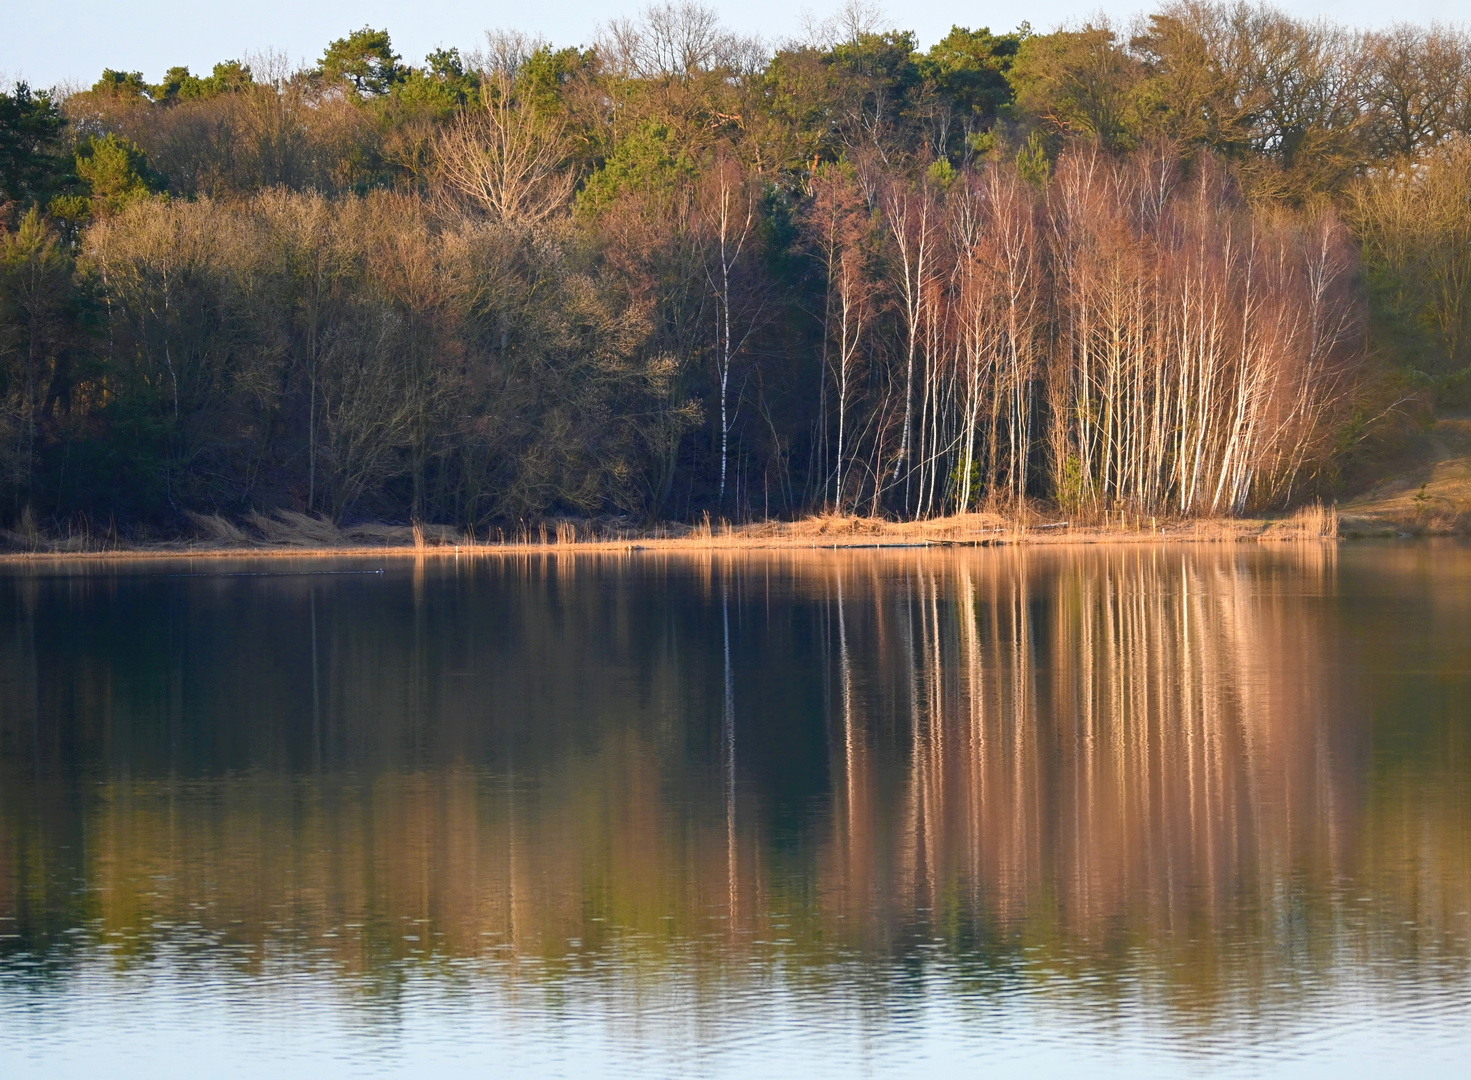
(1317, 521)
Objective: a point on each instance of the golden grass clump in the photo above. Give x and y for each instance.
(1316, 521)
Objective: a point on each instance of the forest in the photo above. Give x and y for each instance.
(1208, 263)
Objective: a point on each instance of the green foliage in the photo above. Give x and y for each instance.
(32, 166)
(969, 486)
(542, 79)
(649, 162)
(983, 143)
(799, 91)
(969, 68)
(229, 77)
(886, 59)
(941, 173)
(365, 59)
(116, 172)
(1186, 95)
(71, 213)
(440, 87)
(1073, 490)
(1032, 161)
(122, 86)
(1079, 83)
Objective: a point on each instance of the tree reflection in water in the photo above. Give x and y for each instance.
(1212, 780)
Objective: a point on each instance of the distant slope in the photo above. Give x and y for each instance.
(1431, 493)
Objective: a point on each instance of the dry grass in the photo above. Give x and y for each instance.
(1311, 522)
(297, 534)
(296, 529)
(72, 538)
(218, 529)
(1318, 521)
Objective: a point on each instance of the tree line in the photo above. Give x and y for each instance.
(1176, 268)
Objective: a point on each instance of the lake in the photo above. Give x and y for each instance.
(1110, 811)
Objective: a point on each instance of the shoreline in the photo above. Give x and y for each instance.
(826, 533)
(1428, 494)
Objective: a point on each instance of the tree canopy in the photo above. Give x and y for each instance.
(672, 270)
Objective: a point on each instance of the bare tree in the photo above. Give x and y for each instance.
(729, 209)
(836, 219)
(1417, 79)
(913, 228)
(674, 41)
(506, 159)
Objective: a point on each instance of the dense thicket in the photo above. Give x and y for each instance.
(675, 271)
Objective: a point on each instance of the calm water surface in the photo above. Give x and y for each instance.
(1143, 812)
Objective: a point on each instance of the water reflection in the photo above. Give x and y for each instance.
(1212, 792)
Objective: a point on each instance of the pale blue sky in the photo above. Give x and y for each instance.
(51, 42)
